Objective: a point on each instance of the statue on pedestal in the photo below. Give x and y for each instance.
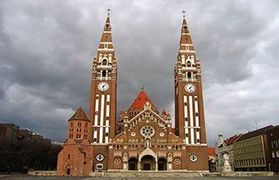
(227, 166)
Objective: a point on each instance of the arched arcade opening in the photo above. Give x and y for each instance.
(148, 163)
(162, 164)
(132, 163)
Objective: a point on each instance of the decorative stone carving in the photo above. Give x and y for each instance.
(177, 160)
(193, 158)
(147, 131)
(117, 160)
(169, 157)
(125, 157)
(227, 166)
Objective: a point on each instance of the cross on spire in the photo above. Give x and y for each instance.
(183, 12)
(108, 10)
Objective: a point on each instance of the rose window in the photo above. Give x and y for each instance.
(147, 131)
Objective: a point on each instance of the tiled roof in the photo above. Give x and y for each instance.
(211, 151)
(79, 115)
(232, 139)
(140, 101)
(255, 133)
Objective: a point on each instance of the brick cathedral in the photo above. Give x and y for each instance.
(143, 139)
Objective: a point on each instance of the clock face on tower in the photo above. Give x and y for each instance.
(190, 87)
(103, 86)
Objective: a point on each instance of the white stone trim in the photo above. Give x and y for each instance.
(108, 98)
(187, 51)
(107, 111)
(96, 120)
(107, 118)
(106, 43)
(103, 49)
(191, 118)
(96, 105)
(95, 135)
(102, 118)
(107, 131)
(186, 122)
(187, 44)
(203, 144)
(197, 111)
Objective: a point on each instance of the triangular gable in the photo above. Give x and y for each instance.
(79, 115)
(148, 107)
(139, 102)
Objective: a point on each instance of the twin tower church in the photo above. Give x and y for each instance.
(143, 139)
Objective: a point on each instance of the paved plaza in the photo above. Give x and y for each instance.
(135, 178)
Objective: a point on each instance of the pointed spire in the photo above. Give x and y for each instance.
(106, 38)
(185, 39)
(107, 26)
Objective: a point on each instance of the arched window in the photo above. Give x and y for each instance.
(188, 63)
(105, 62)
(189, 75)
(104, 73)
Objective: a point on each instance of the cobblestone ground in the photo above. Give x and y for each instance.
(134, 178)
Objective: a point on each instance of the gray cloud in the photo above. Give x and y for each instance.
(46, 51)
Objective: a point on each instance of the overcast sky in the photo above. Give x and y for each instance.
(46, 51)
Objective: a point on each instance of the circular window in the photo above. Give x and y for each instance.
(100, 157)
(177, 161)
(193, 158)
(133, 134)
(162, 134)
(147, 131)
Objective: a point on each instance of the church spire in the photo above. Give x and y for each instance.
(185, 39)
(102, 110)
(106, 38)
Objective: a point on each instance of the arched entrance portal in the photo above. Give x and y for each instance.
(132, 164)
(148, 163)
(162, 164)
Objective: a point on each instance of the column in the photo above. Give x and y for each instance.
(156, 161)
(139, 162)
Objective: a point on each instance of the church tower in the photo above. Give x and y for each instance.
(102, 105)
(189, 109)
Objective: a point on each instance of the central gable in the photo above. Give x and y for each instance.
(138, 104)
(147, 124)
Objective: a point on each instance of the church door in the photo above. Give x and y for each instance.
(148, 163)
